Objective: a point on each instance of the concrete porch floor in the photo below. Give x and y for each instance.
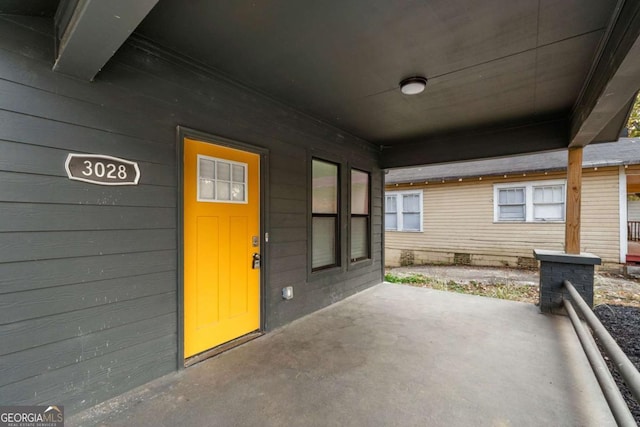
(391, 355)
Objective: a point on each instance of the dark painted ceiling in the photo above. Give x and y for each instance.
(29, 7)
(506, 77)
(488, 62)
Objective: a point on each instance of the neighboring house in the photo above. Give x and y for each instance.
(495, 212)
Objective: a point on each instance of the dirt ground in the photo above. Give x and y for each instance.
(609, 288)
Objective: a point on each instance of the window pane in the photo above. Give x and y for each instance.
(323, 252)
(513, 213)
(390, 204)
(223, 190)
(558, 193)
(237, 192)
(391, 221)
(359, 192)
(549, 212)
(511, 196)
(359, 238)
(224, 171)
(411, 222)
(206, 189)
(550, 194)
(325, 187)
(411, 203)
(519, 195)
(207, 168)
(238, 173)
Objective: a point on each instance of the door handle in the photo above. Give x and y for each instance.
(256, 261)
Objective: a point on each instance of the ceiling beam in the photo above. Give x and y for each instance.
(89, 32)
(612, 82)
(501, 142)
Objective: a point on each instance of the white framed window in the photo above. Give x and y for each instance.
(548, 202)
(403, 211)
(512, 204)
(535, 201)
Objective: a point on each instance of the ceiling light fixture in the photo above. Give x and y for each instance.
(413, 85)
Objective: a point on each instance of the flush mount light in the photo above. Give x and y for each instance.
(413, 85)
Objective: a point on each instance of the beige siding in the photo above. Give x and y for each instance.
(632, 169)
(601, 214)
(458, 218)
(633, 210)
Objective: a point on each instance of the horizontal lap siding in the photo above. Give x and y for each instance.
(88, 290)
(633, 210)
(458, 218)
(87, 272)
(600, 232)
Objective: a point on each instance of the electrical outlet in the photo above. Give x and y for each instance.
(287, 292)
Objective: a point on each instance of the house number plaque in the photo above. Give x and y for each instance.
(102, 170)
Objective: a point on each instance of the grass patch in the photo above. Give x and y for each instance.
(506, 291)
(414, 279)
(608, 289)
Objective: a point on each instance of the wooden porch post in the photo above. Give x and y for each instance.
(574, 190)
(571, 265)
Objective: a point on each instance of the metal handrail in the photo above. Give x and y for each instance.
(620, 360)
(610, 389)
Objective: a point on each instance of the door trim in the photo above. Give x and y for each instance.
(183, 132)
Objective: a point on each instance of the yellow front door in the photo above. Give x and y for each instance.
(221, 238)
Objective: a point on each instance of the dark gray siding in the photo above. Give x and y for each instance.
(88, 282)
(87, 273)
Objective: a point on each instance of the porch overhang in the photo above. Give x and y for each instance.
(89, 32)
(504, 77)
(479, 143)
(608, 95)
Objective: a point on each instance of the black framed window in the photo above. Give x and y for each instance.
(325, 218)
(360, 216)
